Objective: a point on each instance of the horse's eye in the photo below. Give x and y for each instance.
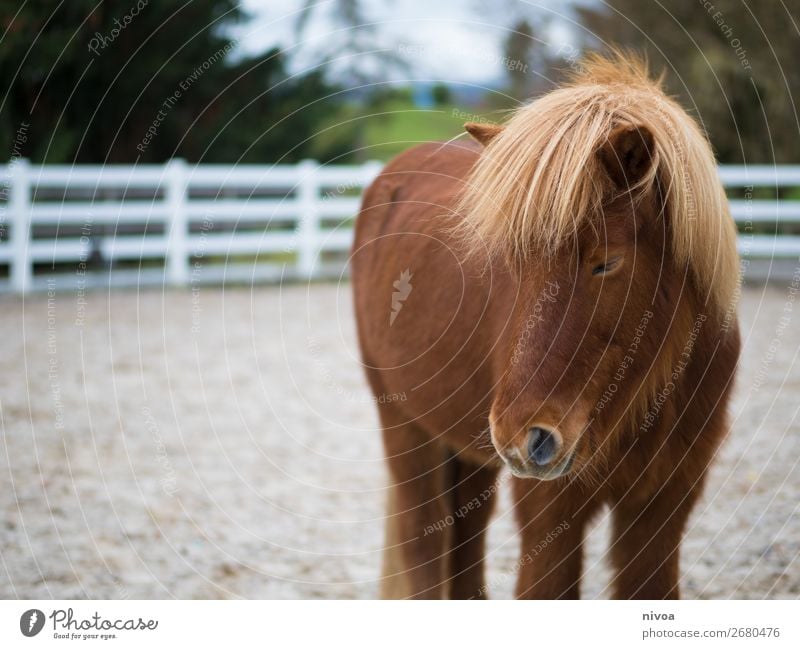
(606, 267)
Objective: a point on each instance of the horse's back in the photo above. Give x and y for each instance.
(415, 191)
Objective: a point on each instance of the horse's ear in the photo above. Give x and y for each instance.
(627, 154)
(483, 133)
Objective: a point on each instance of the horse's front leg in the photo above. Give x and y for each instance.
(475, 489)
(419, 518)
(646, 542)
(552, 519)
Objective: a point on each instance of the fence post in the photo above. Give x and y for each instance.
(19, 208)
(308, 224)
(175, 196)
(372, 169)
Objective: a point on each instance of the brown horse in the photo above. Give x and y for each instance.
(560, 299)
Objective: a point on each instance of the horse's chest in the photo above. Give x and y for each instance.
(641, 469)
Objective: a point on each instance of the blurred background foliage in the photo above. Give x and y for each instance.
(84, 106)
(734, 65)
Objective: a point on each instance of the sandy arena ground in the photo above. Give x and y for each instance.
(222, 444)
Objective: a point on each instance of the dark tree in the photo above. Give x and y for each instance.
(441, 94)
(733, 62)
(147, 80)
(518, 59)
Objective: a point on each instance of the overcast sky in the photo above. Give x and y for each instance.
(457, 41)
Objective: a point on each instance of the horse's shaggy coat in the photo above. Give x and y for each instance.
(573, 281)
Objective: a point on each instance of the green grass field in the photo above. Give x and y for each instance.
(383, 132)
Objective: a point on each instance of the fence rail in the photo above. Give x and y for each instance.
(182, 224)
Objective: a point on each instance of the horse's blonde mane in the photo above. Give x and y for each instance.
(540, 179)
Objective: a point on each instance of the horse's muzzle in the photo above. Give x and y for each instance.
(543, 456)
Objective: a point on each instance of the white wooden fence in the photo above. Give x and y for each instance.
(182, 224)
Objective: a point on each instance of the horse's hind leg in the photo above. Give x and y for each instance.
(475, 489)
(394, 583)
(418, 519)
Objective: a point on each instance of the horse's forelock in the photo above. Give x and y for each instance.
(540, 179)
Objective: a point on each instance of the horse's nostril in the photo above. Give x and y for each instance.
(543, 445)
